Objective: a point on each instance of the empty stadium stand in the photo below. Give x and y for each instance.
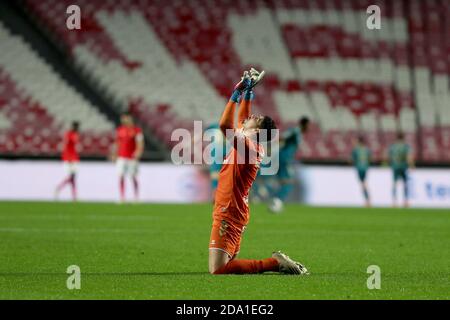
(170, 62)
(37, 105)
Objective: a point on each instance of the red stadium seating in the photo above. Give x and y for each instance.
(36, 105)
(31, 130)
(321, 52)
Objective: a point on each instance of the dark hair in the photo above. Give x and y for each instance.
(361, 139)
(75, 125)
(128, 115)
(268, 124)
(303, 122)
(400, 135)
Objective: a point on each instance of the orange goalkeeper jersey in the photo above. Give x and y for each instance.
(236, 177)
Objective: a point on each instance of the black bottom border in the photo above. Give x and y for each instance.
(224, 309)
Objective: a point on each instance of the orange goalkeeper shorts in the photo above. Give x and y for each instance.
(226, 236)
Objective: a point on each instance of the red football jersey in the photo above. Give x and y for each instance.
(70, 152)
(126, 140)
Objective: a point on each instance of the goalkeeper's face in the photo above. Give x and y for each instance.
(253, 123)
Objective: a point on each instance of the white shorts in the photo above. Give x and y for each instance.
(127, 167)
(70, 167)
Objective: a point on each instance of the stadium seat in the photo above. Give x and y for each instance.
(36, 104)
(320, 62)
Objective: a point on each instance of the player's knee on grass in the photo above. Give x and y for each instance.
(217, 260)
(214, 266)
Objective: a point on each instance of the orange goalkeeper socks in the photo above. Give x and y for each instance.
(242, 266)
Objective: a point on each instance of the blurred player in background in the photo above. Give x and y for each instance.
(289, 143)
(361, 161)
(400, 159)
(127, 151)
(70, 157)
(217, 155)
(239, 170)
(262, 188)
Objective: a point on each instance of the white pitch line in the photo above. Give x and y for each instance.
(71, 217)
(71, 230)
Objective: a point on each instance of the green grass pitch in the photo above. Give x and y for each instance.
(143, 251)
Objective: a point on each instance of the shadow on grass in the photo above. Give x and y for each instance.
(29, 274)
(130, 274)
(187, 273)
